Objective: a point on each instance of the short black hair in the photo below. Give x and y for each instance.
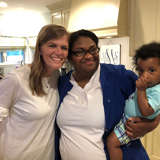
(80, 33)
(146, 51)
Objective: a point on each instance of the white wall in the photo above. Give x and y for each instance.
(22, 23)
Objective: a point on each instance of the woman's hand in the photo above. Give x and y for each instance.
(138, 127)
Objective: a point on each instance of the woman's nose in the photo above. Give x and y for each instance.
(88, 55)
(58, 50)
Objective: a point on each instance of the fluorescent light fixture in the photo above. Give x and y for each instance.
(108, 37)
(3, 4)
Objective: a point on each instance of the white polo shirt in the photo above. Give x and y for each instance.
(81, 120)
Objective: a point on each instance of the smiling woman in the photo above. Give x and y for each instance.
(29, 100)
(43, 61)
(54, 53)
(92, 99)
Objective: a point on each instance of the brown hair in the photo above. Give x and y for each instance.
(46, 33)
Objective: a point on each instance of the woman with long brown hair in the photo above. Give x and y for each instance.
(29, 100)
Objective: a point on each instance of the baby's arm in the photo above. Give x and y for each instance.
(144, 106)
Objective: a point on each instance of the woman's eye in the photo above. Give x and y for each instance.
(52, 45)
(79, 52)
(93, 50)
(64, 48)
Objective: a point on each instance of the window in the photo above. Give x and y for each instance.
(13, 56)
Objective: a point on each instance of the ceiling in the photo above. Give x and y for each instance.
(36, 5)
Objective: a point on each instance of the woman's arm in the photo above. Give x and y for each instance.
(138, 127)
(8, 93)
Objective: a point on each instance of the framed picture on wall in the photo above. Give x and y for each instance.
(110, 54)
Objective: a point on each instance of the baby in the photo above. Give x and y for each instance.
(145, 102)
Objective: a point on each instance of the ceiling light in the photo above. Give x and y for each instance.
(3, 4)
(108, 37)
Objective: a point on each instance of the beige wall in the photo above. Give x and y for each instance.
(144, 22)
(93, 14)
(144, 27)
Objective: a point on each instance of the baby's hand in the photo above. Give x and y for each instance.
(143, 82)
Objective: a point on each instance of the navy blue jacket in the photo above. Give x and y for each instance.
(117, 84)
